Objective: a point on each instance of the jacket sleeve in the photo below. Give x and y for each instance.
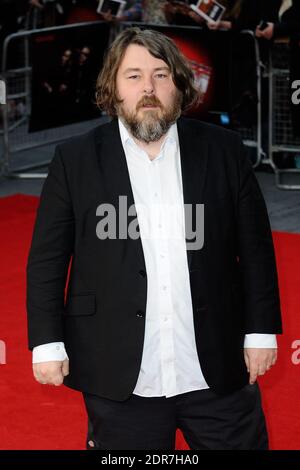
(257, 265)
(49, 257)
(290, 22)
(286, 28)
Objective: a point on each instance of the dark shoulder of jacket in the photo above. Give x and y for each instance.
(79, 146)
(211, 132)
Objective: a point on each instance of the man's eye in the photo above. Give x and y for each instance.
(133, 76)
(161, 75)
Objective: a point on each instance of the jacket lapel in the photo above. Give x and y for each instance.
(116, 180)
(112, 162)
(194, 156)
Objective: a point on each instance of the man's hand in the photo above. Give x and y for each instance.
(216, 25)
(266, 33)
(51, 373)
(36, 3)
(107, 16)
(258, 361)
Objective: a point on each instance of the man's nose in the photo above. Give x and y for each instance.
(148, 86)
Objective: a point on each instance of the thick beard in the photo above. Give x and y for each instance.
(155, 124)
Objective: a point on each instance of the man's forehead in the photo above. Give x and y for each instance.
(138, 56)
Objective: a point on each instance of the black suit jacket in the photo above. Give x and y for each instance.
(289, 24)
(102, 320)
(254, 11)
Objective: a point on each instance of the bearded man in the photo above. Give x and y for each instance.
(172, 305)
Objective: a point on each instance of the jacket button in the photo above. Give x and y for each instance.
(142, 272)
(140, 314)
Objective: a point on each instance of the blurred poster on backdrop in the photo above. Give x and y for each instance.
(65, 66)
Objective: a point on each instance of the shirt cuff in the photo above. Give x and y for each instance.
(49, 352)
(260, 340)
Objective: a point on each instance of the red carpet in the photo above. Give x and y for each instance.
(33, 416)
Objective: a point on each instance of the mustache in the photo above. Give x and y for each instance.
(148, 101)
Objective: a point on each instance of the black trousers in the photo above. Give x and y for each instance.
(207, 421)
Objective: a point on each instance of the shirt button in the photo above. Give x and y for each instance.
(140, 314)
(164, 287)
(142, 272)
(57, 348)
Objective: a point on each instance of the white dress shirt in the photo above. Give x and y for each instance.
(285, 6)
(170, 364)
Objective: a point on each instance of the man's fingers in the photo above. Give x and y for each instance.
(247, 361)
(65, 368)
(252, 367)
(259, 361)
(256, 369)
(51, 380)
(274, 358)
(58, 380)
(262, 370)
(50, 373)
(54, 380)
(253, 374)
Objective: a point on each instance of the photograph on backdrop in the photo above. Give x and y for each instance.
(115, 7)
(66, 63)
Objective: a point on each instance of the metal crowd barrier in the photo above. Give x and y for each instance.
(16, 113)
(283, 145)
(252, 135)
